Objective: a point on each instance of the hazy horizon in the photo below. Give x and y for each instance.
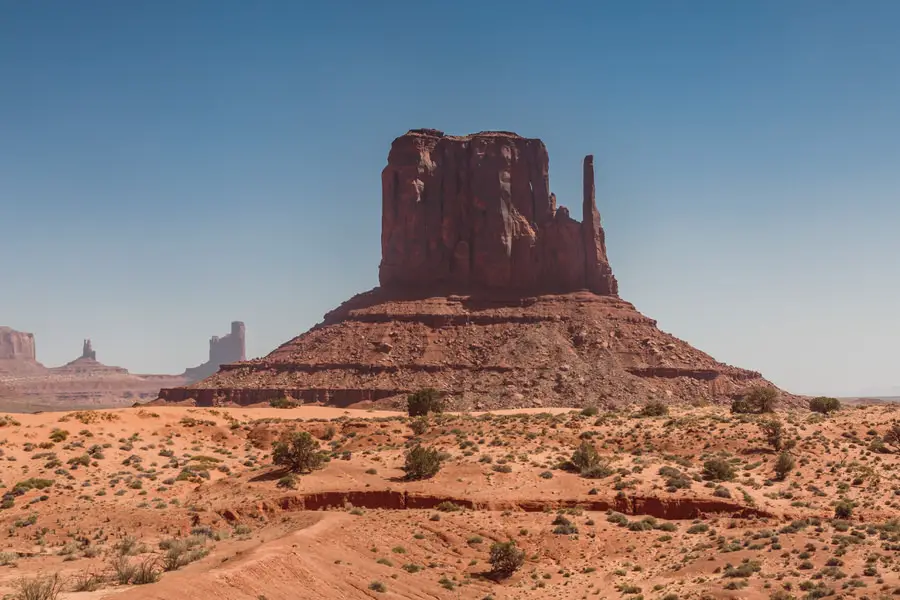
(167, 168)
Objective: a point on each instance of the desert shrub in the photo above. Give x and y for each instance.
(784, 464)
(8, 558)
(773, 431)
(419, 425)
(298, 451)
(33, 483)
(675, 479)
(181, 552)
(40, 587)
(758, 400)
(329, 433)
(288, 482)
(128, 546)
(283, 402)
(422, 463)
(506, 558)
(87, 582)
(377, 586)
(424, 401)
(147, 571)
(843, 509)
(590, 411)
(122, 569)
(892, 435)
(587, 461)
(824, 405)
(59, 435)
(718, 469)
(745, 569)
(563, 526)
(654, 408)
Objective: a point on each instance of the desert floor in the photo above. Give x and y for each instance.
(188, 499)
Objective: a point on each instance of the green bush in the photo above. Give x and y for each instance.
(843, 509)
(298, 451)
(758, 400)
(506, 558)
(424, 401)
(718, 469)
(824, 405)
(587, 461)
(422, 463)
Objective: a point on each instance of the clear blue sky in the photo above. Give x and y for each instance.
(167, 167)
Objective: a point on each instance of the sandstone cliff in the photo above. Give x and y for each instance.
(476, 212)
(489, 292)
(222, 350)
(16, 345)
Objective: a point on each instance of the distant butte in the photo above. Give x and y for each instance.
(85, 382)
(489, 291)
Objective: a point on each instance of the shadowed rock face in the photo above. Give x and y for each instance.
(476, 212)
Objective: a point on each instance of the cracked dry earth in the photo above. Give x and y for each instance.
(95, 496)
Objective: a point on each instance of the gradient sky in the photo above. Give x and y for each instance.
(167, 167)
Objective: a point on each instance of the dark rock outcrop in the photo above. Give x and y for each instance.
(475, 212)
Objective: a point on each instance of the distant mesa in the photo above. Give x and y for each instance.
(87, 363)
(17, 352)
(230, 348)
(85, 382)
(489, 291)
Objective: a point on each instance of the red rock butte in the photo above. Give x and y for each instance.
(489, 291)
(476, 212)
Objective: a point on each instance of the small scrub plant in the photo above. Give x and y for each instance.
(843, 509)
(283, 402)
(299, 452)
(40, 587)
(506, 558)
(824, 405)
(758, 401)
(423, 402)
(718, 469)
(773, 431)
(587, 461)
(892, 435)
(654, 408)
(419, 425)
(59, 435)
(422, 463)
(784, 464)
(288, 482)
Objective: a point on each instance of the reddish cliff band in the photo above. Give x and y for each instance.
(476, 212)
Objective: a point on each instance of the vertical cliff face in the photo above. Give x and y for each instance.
(16, 345)
(223, 350)
(476, 212)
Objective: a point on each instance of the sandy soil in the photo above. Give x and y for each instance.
(90, 495)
